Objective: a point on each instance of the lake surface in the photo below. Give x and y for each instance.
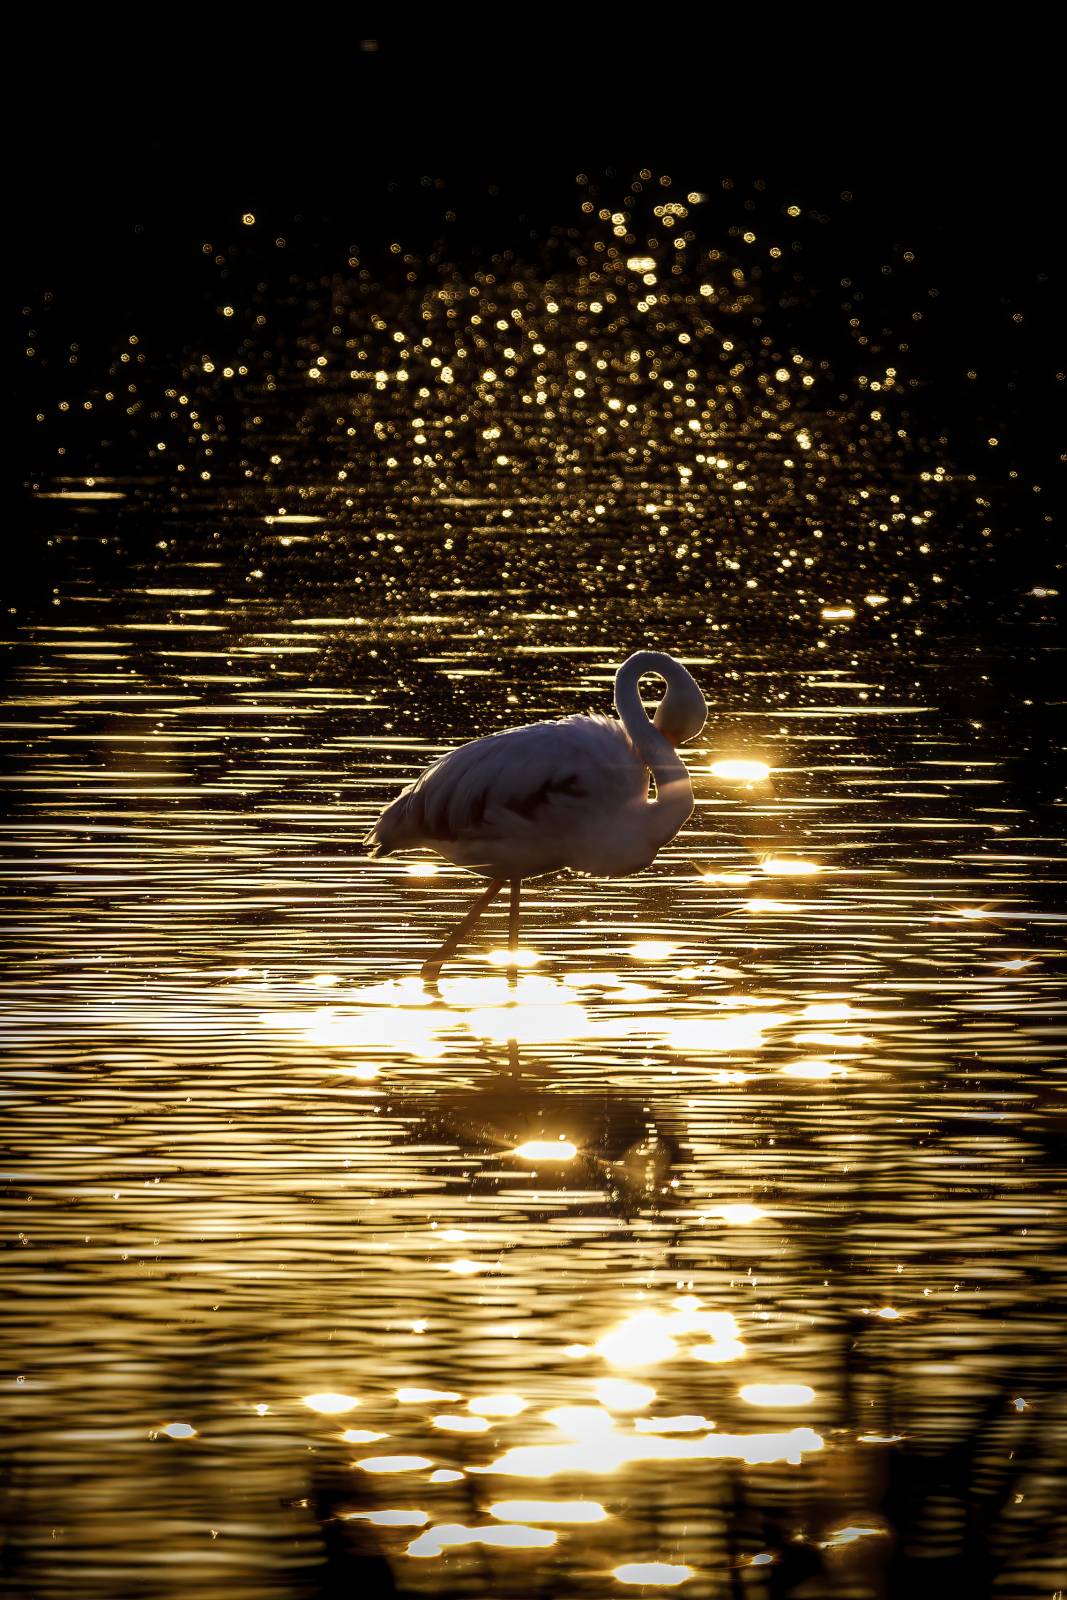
(726, 1251)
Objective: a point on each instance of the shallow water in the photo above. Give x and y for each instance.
(293, 1312)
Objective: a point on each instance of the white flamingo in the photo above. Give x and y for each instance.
(572, 793)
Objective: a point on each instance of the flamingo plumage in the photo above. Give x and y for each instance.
(570, 793)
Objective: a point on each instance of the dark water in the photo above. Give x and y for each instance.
(291, 1308)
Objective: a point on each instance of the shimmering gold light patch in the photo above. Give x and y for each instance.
(682, 1424)
(815, 1070)
(851, 1534)
(514, 958)
(739, 1215)
(660, 1573)
(497, 1405)
(789, 867)
(619, 1394)
(547, 1150)
(740, 771)
(460, 1424)
(652, 950)
(329, 1403)
(640, 1341)
(448, 1535)
(604, 1451)
(777, 1394)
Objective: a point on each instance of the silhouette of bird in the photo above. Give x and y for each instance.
(572, 793)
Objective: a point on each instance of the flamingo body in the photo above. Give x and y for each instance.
(529, 801)
(571, 793)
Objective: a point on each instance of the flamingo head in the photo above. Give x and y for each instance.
(683, 711)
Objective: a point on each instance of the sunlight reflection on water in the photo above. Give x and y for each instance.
(766, 1134)
(749, 1138)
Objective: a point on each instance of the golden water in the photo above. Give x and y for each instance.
(801, 1072)
(726, 1250)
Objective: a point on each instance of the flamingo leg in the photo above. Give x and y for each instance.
(513, 931)
(513, 970)
(431, 967)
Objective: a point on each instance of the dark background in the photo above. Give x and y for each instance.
(136, 151)
(144, 141)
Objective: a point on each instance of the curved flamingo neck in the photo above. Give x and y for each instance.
(674, 790)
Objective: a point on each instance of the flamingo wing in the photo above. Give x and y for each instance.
(536, 776)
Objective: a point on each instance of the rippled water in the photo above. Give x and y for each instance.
(736, 1232)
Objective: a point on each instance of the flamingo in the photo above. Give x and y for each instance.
(570, 793)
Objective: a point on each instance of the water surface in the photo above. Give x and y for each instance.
(726, 1250)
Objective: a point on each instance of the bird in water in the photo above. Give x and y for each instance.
(572, 793)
